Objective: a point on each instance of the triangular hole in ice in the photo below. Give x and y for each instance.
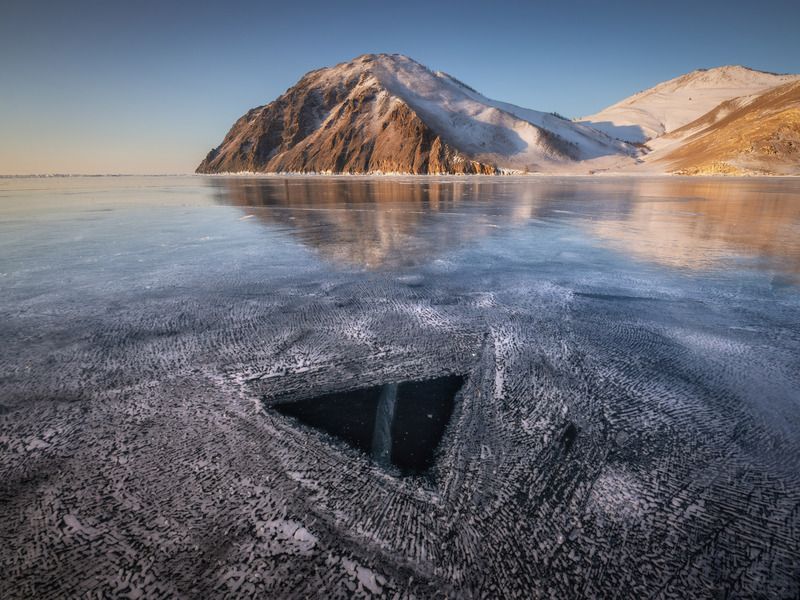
(397, 424)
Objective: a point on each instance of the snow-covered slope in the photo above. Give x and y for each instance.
(677, 102)
(468, 116)
(387, 112)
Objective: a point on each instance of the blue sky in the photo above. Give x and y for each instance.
(150, 87)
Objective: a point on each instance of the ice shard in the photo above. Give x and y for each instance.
(382, 436)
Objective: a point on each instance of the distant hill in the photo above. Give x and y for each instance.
(756, 134)
(674, 103)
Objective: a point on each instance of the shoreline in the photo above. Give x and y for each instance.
(454, 176)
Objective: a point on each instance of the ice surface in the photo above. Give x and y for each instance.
(629, 422)
(382, 437)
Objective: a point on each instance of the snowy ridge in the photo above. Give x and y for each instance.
(677, 102)
(512, 136)
(590, 142)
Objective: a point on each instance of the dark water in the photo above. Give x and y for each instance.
(628, 422)
(398, 425)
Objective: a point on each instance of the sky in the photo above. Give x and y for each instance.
(150, 87)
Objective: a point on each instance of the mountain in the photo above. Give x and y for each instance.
(382, 113)
(386, 113)
(751, 134)
(677, 102)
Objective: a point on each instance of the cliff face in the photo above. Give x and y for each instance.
(388, 113)
(347, 127)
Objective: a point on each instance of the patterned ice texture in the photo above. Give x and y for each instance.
(624, 419)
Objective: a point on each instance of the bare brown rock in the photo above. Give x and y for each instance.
(330, 124)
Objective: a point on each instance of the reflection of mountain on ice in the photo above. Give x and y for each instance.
(381, 223)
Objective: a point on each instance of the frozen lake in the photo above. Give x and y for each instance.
(617, 410)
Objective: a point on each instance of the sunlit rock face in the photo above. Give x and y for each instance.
(343, 122)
